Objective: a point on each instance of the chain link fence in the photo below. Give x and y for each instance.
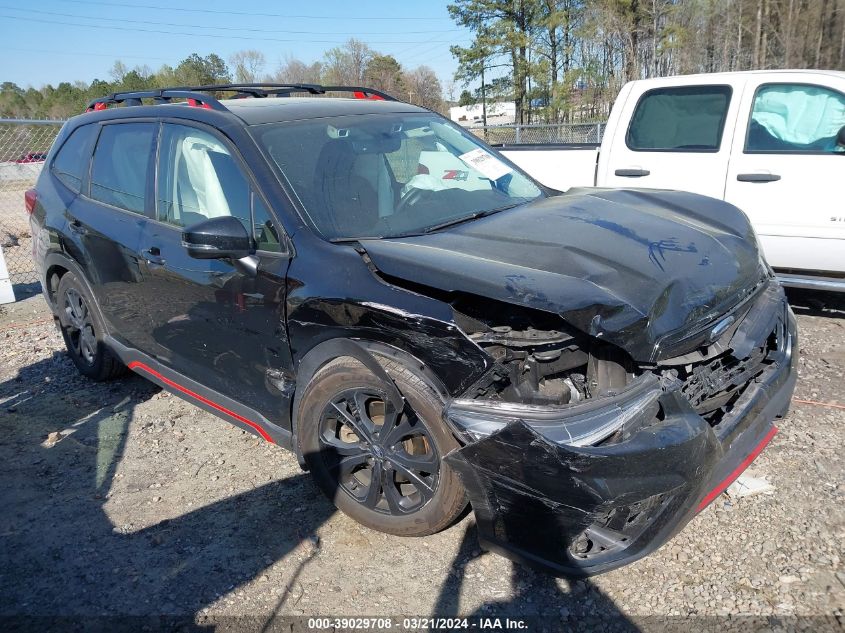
(23, 147)
(540, 133)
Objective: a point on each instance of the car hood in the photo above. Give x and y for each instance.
(636, 268)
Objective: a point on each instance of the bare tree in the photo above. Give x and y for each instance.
(346, 64)
(118, 71)
(247, 65)
(424, 88)
(294, 71)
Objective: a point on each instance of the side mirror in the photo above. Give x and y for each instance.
(217, 238)
(840, 137)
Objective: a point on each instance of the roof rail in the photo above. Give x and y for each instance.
(198, 95)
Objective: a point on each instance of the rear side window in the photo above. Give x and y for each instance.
(71, 161)
(795, 118)
(685, 119)
(121, 165)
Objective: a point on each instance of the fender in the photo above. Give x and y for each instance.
(365, 353)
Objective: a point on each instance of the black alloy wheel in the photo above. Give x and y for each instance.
(384, 459)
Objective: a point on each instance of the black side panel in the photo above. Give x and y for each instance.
(332, 293)
(214, 321)
(105, 241)
(104, 238)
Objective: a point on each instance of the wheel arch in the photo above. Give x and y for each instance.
(365, 352)
(56, 265)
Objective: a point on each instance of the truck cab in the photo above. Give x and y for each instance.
(769, 142)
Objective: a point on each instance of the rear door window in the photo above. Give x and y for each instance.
(688, 118)
(71, 162)
(121, 167)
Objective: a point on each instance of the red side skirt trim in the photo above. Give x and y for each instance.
(135, 366)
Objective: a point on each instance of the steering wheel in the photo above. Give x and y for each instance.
(411, 198)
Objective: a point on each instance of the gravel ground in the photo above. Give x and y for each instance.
(119, 498)
(15, 238)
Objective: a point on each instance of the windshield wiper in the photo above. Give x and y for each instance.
(346, 240)
(430, 229)
(468, 218)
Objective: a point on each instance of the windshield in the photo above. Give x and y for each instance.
(387, 175)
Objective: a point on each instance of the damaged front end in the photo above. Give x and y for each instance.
(579, 459)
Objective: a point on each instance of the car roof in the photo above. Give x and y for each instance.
(276, 109)
(712, 78)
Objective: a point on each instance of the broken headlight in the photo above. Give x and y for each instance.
(584, 424)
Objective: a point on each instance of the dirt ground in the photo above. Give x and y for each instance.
(15, 238)
(119, 498)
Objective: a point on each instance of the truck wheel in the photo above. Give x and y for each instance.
(83, 332)
(384, 469)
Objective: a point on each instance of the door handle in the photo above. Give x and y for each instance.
(77, 227)
(153, 256)
(757, 177)
(634, 172)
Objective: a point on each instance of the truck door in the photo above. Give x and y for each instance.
(677, 137)
(785, 172)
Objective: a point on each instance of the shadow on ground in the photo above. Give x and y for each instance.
(25, 291)
(536, 598)
(815, 303)
(53, 522)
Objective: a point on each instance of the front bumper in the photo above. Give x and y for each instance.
(583, 510)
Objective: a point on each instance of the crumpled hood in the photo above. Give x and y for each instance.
(631, 267)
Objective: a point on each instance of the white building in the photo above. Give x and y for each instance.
(501, 112)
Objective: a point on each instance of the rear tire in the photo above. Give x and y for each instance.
(83, 331)
(415, 492)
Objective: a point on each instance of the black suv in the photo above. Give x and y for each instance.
(365, 283)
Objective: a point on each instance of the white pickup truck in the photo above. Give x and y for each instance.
(770, 142)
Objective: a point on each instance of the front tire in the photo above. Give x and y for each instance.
(83, 331)
(383, 468)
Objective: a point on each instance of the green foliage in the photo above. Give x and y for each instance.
(198, 71)
(354, 63)
(66, 99)
(503, 32)
(385, 73)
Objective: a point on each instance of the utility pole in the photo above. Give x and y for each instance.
(483, 97)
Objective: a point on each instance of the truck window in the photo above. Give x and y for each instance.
(795, 118)
(683, 119)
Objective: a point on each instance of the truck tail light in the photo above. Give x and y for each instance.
(30, 197)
